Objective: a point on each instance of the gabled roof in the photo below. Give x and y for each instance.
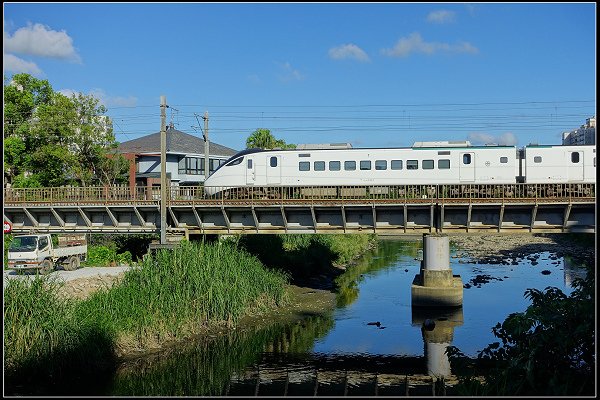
(177, 142)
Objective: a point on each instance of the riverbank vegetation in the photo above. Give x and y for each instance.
(305, 257)
(170, 294)
(549, 349)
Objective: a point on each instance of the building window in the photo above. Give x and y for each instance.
(304, 166)
(466, 159)
(214, 164)
(428, 164)
(381, 165)
(396, 164)
(575, 157)
(412, 164)
(335, 165)
(444, 163)
(537, 159)
(503, 160)
(365, 165)
(350, 165)
(319, 165)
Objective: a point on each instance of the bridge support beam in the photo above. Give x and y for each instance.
(435, 286)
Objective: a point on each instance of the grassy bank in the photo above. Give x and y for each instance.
(171, 295)
(309, 255)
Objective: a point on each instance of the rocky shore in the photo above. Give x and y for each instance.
(506, 248)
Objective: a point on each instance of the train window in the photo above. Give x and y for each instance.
(380, 165)
(249, 164)
(503, 160)
(365, 165)
(444, 163)
(349, 165)
(575, 157)
(428, 164)
(319, 165)
(537, 159)
(335, 165)
(466, 159)
(273, 161)
(443, 153)
(412, 164)
(235, 162)
(304, 155)
(396, 164)
(304, 166)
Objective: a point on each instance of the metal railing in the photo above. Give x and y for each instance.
(150, 195)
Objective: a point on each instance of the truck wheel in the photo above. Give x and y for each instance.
(46, 267)
(72, 264)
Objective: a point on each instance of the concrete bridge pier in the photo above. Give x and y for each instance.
(435, 286)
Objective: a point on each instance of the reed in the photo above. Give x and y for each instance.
(177, 292)
(170, 294)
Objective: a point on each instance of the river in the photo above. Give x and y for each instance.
(370, 344)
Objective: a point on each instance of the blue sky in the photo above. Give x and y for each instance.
(374, 75)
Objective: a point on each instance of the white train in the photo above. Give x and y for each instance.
(426, 163)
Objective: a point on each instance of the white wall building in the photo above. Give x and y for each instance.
(586, 134)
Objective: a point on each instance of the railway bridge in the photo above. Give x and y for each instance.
(383, 210)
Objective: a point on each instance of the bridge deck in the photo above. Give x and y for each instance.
(331, 209)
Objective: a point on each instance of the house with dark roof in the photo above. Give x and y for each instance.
(185, 158)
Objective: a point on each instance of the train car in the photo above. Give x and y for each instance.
(559, 164)
(426, 163)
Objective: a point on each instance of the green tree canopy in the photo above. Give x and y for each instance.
(264, 139)
(52, 140)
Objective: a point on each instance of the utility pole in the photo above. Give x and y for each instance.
(163, 170)
(205, 134)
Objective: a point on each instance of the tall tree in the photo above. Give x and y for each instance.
(52, 139)
(264, 139)
(23, 94)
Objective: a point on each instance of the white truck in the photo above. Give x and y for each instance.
(38, 252)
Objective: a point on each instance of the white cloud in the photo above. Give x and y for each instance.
(40, 40)
(68, 92)
(290, 73)
(14, 64)
(348, 51)
(441, 16)
(414, 43)
(105, 99)
(504, 139)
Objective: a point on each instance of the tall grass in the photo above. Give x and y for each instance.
(171, 294)
(40, 334)
(175, 292)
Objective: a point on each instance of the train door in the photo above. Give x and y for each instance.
(250, 171)
(274, 170)
(467, 167)
(575, 165)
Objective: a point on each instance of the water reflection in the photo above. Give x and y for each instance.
(437, 328)
(342, 353)
(204, 367)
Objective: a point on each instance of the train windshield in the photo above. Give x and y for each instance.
(236, 159)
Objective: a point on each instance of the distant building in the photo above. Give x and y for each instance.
(586, 134)
(185, 158)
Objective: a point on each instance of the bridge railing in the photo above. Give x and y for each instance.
(303, 194)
